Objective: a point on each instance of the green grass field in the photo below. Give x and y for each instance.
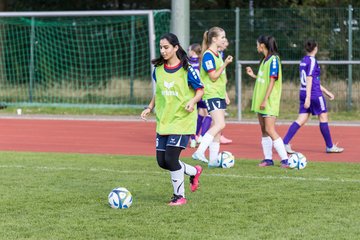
(64, 196)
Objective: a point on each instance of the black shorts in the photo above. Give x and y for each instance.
(171, 140)
(215, 104)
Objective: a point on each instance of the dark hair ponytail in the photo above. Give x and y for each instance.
(310, 45)
(180, 53)
(270, 44)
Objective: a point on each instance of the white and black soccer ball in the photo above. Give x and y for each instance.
(226, 159)
(120, 198)
(297, 160)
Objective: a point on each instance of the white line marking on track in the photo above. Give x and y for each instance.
(100, 118)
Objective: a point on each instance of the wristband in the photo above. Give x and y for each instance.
(147, 107)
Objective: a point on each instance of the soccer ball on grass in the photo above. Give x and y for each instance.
(120, 198)
(297, 160)
(226, 159)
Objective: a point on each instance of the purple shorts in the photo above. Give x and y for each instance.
(317, 105)
(201, 104)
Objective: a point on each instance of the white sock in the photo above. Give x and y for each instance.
(205, 142)
(280, 148)
(267, 145)
(214, 149)
(188, 169)
(177, 180)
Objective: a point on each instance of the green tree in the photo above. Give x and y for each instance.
(68, 5)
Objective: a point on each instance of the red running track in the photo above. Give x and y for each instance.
(138, 138)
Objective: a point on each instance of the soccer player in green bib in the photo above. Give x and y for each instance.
(213, 75)
(266, 99)
(178, 89)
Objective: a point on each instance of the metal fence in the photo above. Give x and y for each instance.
(336, 30)
(337, 39)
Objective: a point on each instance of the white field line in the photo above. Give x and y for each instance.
(264, 177)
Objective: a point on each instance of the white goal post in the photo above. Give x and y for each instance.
(84, 58)
(148, 13)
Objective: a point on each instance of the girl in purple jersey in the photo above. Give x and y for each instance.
(312, 100)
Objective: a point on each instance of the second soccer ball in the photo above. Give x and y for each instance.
(297, 160)
(226, 159)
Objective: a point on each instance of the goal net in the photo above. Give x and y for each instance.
(83, 58)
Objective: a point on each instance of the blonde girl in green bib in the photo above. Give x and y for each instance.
(178, 89)
(266, 99)
(213, 76)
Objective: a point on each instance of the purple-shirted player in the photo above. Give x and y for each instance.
(312, 100)
(204, 119)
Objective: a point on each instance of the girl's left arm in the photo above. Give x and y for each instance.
(274, 73)
(327, 93)
(195, 83)
(268, 92)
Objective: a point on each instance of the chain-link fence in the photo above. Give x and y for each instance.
(337, 39)
(106, 61)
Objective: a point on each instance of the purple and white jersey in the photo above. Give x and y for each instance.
(310, 67)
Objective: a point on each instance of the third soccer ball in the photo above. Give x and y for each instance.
(226, 159)
(297, 160)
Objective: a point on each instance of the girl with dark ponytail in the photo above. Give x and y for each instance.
(270, 44)
(266, 99)
(180, 53)
(178, 89)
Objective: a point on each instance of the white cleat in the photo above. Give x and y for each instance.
(334, 149)
(214, 164)
(200, 157)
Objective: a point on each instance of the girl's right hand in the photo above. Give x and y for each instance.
(227, 99)
(249, 72)
(228, 59)
(145, 113)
